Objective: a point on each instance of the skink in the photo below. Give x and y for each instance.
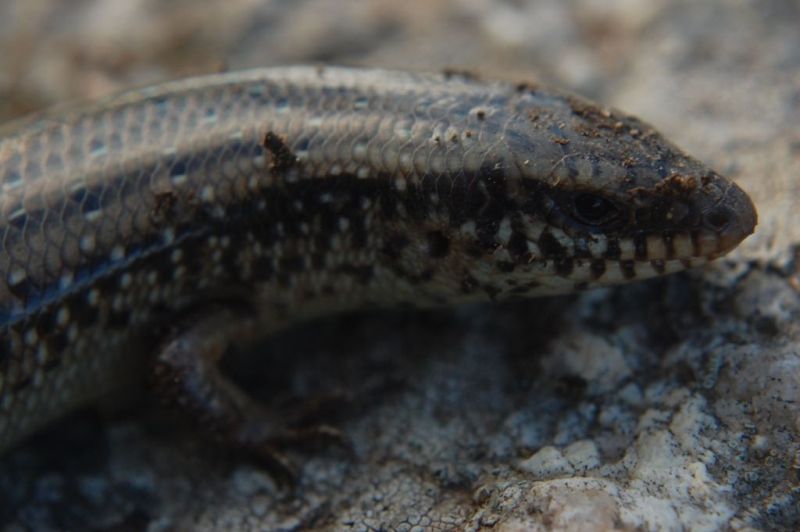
(148, 232)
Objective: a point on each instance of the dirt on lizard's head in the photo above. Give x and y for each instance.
(574, 195)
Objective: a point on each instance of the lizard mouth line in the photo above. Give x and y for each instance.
(644, 258)
(682, 246)
(625, 270)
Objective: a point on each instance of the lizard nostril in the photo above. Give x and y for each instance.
(718, 218)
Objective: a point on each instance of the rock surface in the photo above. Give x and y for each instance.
(672, 404)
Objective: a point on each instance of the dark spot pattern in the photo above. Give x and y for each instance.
(550, 246)
(640, 247)
(628, 268)
(518, 246)
(613, 250)
(598, 268)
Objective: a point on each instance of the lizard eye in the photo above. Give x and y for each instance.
(594, 210)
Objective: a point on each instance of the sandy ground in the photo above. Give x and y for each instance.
(672, 404)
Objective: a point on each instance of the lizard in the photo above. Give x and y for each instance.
(149, 232)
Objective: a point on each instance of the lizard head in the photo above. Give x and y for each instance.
(578, 196)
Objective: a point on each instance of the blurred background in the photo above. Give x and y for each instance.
(672, 404)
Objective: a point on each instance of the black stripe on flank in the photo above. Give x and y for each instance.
(93, 271)
(415, 203)
(388, 202)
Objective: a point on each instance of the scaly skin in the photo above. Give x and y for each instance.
(247, 201)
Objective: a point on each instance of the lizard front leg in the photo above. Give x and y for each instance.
(186, 375)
